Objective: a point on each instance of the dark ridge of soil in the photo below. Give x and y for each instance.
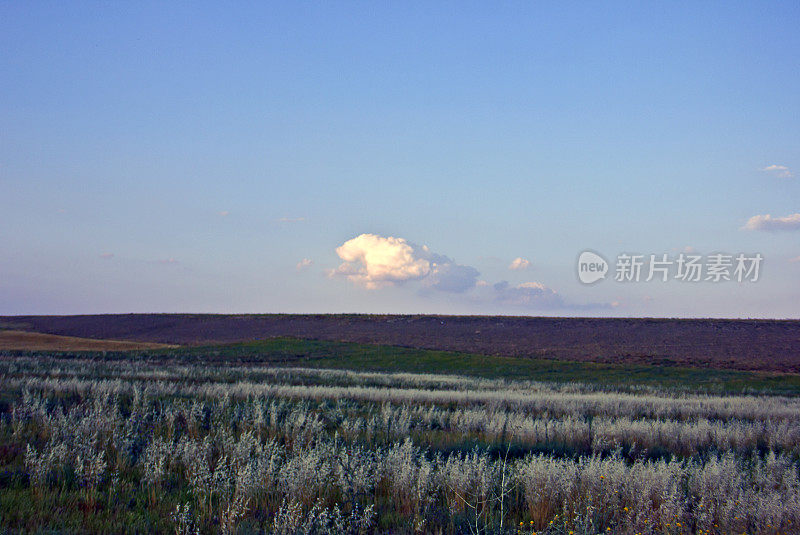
(766, 345)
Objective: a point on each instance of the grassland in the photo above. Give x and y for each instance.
(352, 356)
(381, 358)
(293, 436)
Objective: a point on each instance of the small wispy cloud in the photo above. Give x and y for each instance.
(687, 249)
(303, 264)
(290, 219)
(528, 294)
(778, 170)
(168, 262)
(795, 259)
(519, 263)
(769, 223)
(107, 255)
(223, 213)
(536, 296)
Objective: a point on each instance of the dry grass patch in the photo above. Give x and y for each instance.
(28, 341)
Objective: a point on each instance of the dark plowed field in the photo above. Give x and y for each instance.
(766, 345)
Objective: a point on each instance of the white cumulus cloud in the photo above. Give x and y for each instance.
(304, 263)
(779, 170)
(767, 222)
(375, 261)
(519, 263)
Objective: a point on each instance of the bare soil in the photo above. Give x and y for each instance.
(764, 345)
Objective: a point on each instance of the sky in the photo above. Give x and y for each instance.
(403, 157)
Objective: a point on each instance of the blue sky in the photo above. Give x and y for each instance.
(187, 156)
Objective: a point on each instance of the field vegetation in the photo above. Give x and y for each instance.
(268, 438)
(295, 352)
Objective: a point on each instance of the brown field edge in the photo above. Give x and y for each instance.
(32, 341)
